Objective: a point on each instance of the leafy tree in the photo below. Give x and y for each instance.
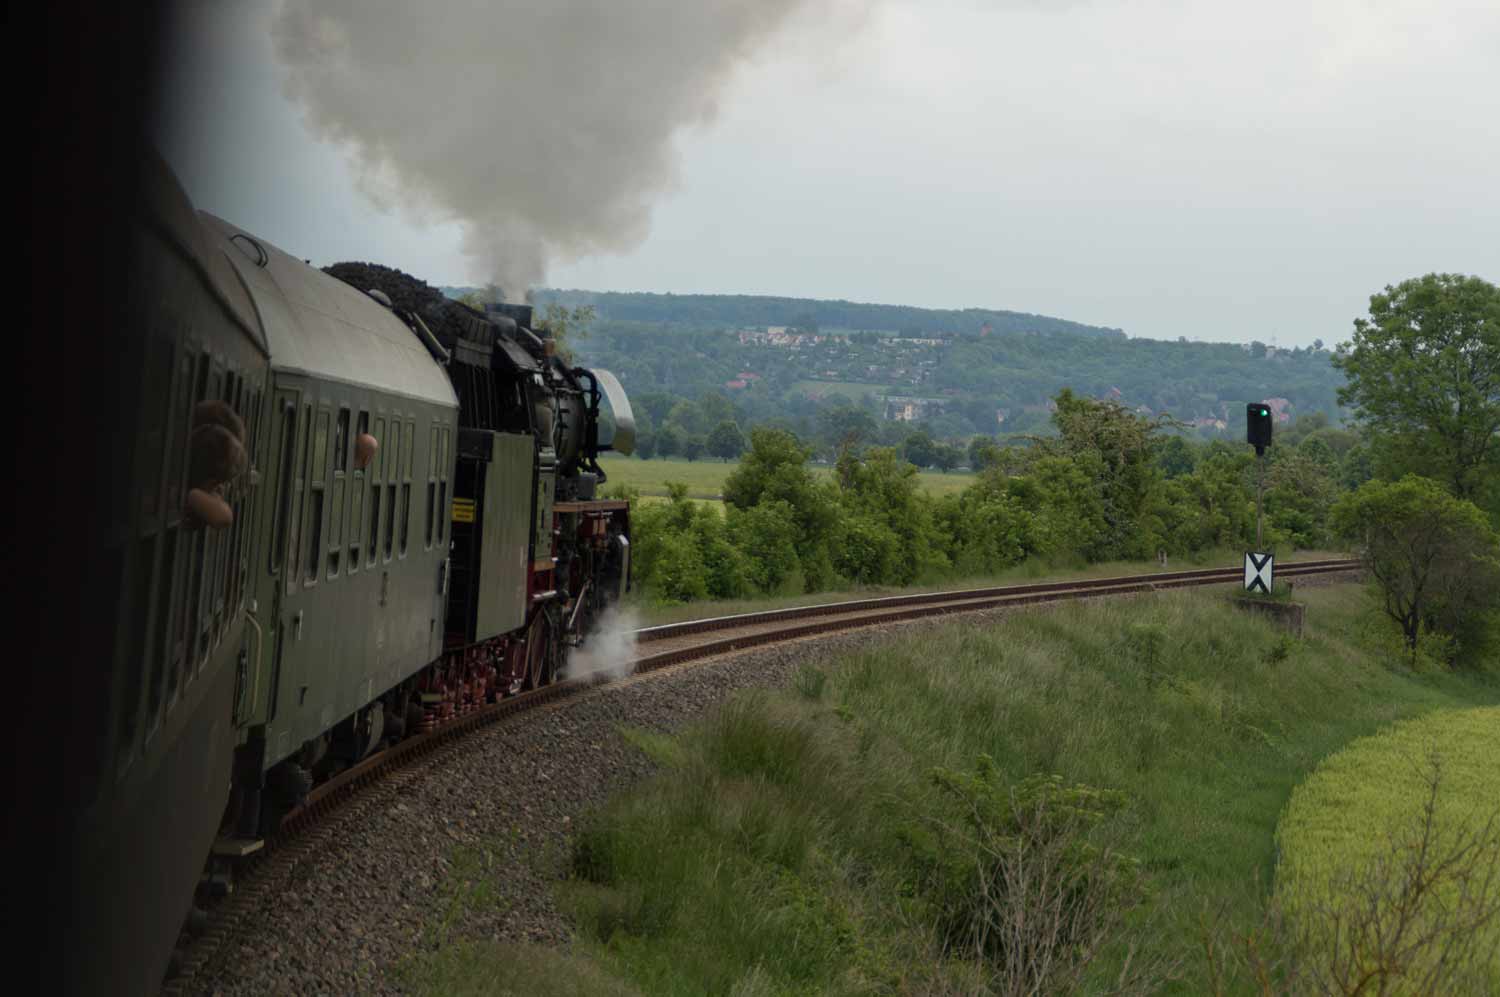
(1424, 374)
(767, 534)
(715, 408)
(945, 456)
(1176, 457)
(645, 445)
(1433, 556)
(687, 418)
(881, 485)
(775, 469)
(693, 448)
(986, 527)
(1118, 450)
(847, 425)
(1299, 491)
(668, 442)
(984, 452)
(919, 449)
(566, 326)
(726, 441)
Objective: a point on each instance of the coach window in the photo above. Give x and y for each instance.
(411, 433)
(336, 510)
(317, 482)
(299, 489)
(392, 481)
(432, 465)
(442, 509)
(375, 491)
(288, 437)
(357, 498)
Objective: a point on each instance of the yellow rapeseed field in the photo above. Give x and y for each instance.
(1364, 804)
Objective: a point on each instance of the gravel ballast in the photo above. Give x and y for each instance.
(378, 888)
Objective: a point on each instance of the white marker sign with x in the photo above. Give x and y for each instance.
(1258, 571)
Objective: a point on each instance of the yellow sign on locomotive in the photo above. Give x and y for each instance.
(463, 510)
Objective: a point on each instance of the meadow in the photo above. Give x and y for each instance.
(822, 838)
(853, 390)
(705, 478)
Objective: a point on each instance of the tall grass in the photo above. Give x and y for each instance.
(794, 842)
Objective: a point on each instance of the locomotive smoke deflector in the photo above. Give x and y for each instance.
(624, 438)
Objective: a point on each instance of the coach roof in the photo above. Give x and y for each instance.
(318, 325)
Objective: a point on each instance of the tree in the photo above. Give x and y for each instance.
(1118, 449)
(775, 469)
(566, 326)
(946, 456)
(668, 442)
(844, 424)
(1424, 376)
(645, 446)
(726, 441)
(919, 449)
(693, 448)
(1434, 556)
(984, 452)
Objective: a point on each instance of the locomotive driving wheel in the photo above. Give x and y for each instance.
(541, 650)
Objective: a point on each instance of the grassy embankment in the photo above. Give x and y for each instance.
(794, 842)
(705, 478)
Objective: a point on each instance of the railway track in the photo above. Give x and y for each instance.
(256, 877)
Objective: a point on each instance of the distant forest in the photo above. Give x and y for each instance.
(971, 372)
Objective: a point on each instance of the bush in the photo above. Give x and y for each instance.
(1025, 882)
(1434, 557)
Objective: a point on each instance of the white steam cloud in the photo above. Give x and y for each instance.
(545, 127)
(609, 648)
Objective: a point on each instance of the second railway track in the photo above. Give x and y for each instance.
(257, 876)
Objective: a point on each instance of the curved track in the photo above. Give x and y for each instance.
(299, 836)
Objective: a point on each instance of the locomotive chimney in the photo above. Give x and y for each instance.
(520, 313)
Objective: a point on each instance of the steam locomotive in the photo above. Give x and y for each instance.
(355, 511)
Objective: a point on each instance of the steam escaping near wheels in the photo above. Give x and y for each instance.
(609, 650)
(545, 128)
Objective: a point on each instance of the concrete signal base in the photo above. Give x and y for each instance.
(1288, 614)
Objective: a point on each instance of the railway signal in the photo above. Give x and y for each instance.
(1258, 426)
(1258, 435)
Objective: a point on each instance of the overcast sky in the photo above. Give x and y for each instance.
(1174, 168)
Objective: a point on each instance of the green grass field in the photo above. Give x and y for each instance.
(797, 842)
(853, 390)
(705, 478)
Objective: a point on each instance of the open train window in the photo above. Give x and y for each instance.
(336, 507)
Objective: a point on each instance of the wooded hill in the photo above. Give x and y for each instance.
(977, 371)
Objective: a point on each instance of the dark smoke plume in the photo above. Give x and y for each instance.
(545, 126)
